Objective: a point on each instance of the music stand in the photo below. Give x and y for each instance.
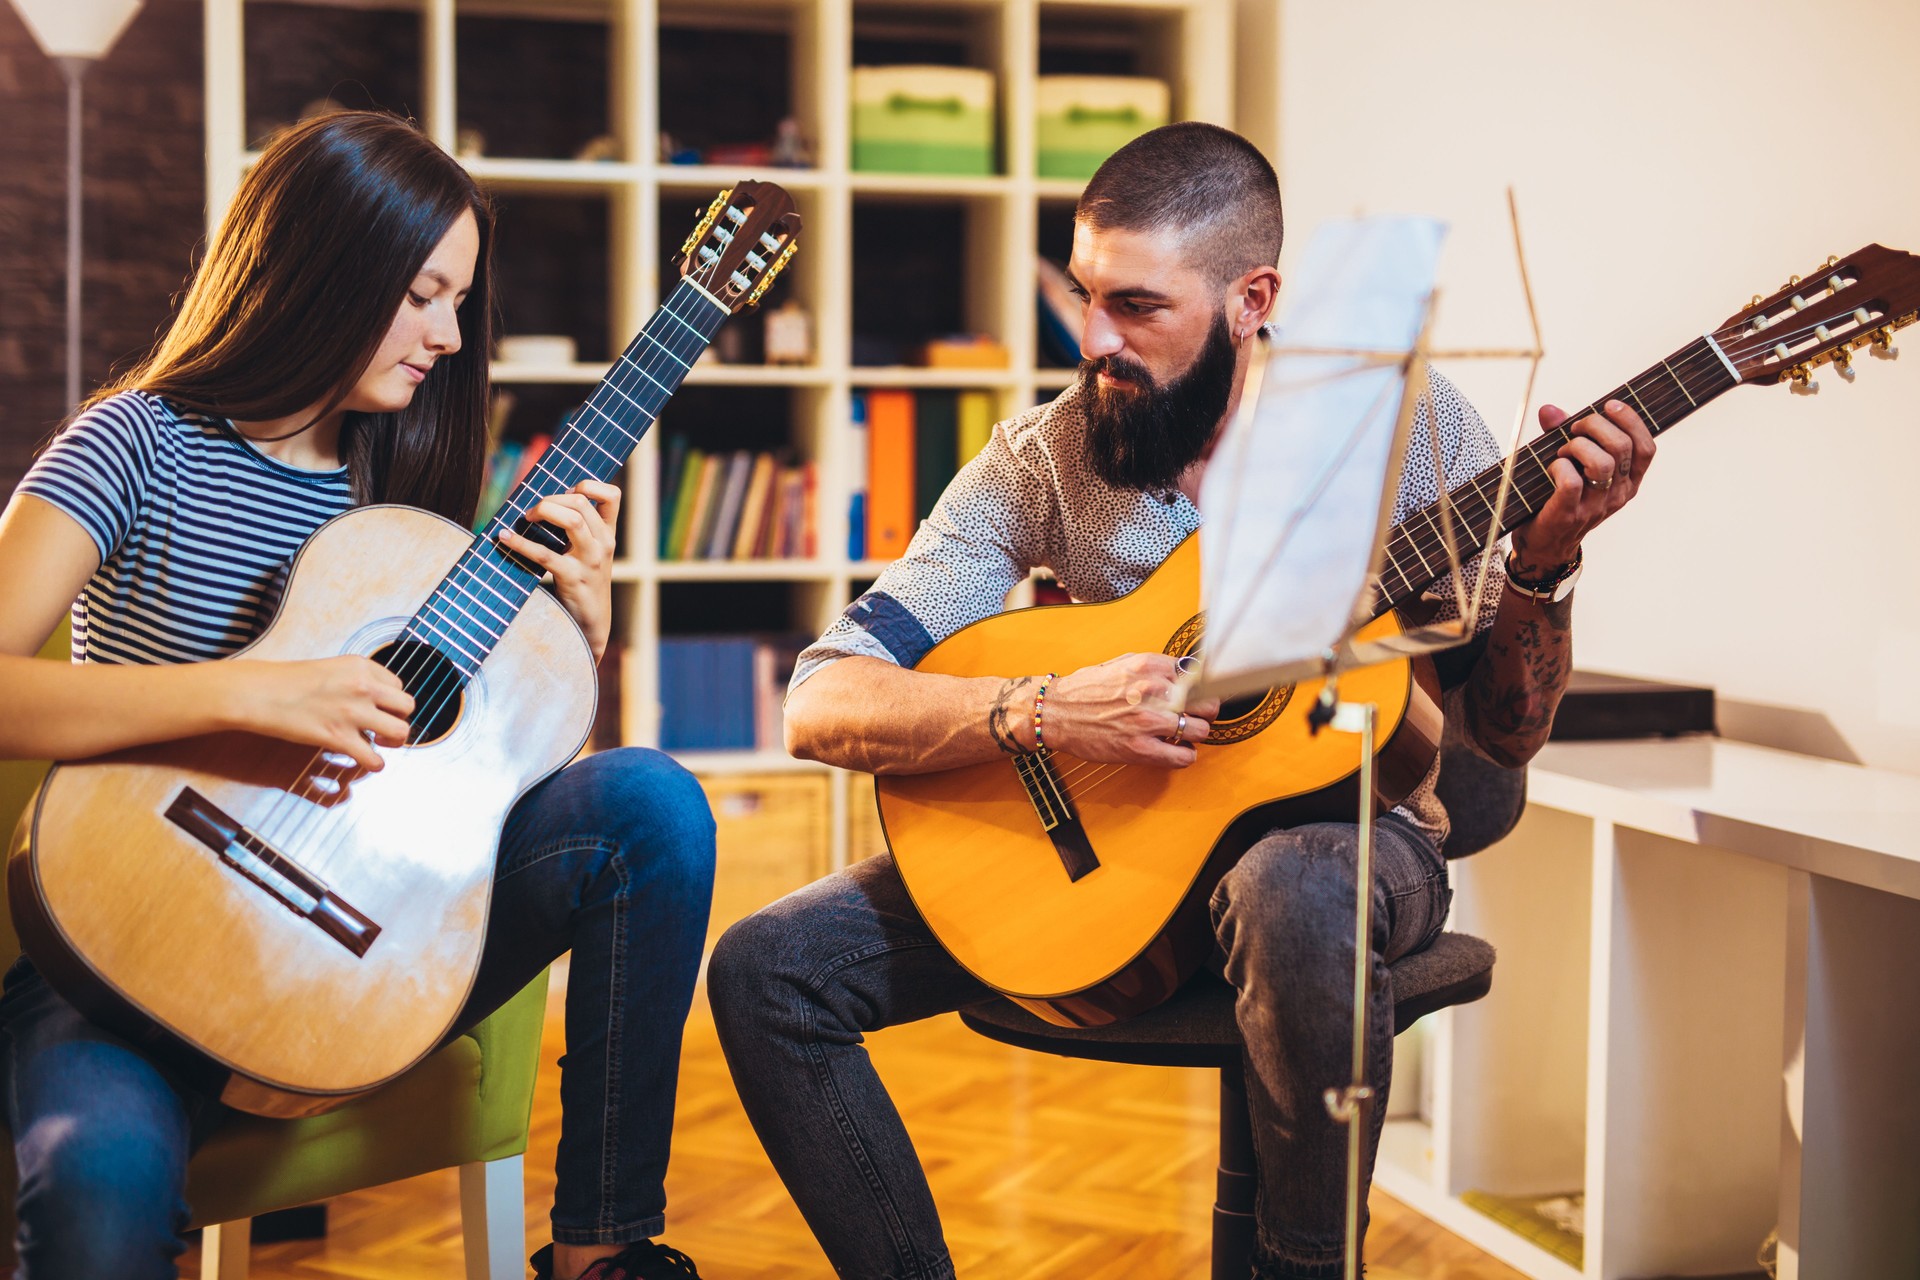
(1287, 584)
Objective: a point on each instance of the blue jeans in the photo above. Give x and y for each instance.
(795, 987)
(612, 858)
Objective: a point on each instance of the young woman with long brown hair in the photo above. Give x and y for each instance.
(331, 350)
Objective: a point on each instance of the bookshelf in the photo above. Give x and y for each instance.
(646, 206)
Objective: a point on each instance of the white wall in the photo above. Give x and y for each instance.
(1671, 160)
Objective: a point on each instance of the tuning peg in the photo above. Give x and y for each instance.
(1802, 383)
(1843, 364)
(1883, 348)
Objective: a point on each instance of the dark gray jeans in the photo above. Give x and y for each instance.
(796, 986)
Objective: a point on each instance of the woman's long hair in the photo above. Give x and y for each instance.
(299, 287)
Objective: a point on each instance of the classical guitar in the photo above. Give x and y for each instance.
(295, 931)
(1080, 889)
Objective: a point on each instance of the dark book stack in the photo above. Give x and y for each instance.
(724, 692)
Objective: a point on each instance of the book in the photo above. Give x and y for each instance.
(733, 495)
(976, 426)
(749, 541)
(502, 465)
(706, 502)
(936, 443)
(725, 692)
(530, 459)
(857, 476)
(1059, 314)
(890, 473)
(706, 692)
(692, 468)
(673, 459)
(809, 543)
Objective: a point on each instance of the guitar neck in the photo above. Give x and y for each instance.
(471, 608)
(1415, 553)
(597, 440)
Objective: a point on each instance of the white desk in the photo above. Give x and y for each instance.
(1706, 1012)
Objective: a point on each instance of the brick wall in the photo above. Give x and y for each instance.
(534, 88)
(144, 190)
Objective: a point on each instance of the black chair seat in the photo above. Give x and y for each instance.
(1196, 1027)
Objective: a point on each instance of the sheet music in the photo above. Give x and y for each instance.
(1297, 495)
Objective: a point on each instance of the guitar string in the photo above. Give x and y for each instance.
(437, 698)
(454, 677)
(330, 826)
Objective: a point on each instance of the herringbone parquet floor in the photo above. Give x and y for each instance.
(1044, 1168)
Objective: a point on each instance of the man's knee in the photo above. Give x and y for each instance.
(1285, 912)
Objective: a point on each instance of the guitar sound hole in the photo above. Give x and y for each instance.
(437, 687)
(1239, 708)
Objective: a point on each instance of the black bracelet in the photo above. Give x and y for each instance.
(1542, 589)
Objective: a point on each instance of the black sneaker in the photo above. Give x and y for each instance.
(641, 1260)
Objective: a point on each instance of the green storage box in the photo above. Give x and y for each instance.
(923, 120)
(1084, 119)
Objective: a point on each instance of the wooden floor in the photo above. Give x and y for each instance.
(1043, 1167)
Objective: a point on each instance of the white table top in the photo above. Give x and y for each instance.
(1833, 819)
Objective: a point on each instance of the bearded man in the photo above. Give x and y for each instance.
(1175, 241)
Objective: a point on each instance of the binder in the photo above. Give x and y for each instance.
(890, 473)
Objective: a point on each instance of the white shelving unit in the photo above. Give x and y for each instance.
(1188, 42)
(1699, 1018)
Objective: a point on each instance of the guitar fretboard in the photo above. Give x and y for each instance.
(472, 607)
(1415, 552)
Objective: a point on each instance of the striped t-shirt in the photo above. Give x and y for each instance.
(195, 528)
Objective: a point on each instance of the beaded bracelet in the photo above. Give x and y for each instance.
(1039, 709)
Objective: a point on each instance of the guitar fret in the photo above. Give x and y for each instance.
(1680, 384)
(1653, 423)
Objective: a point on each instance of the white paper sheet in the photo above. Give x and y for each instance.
(1299, 487)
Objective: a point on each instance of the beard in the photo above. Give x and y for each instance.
(1146, 438)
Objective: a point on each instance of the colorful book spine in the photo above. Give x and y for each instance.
(687, 492)
(706, 503)
(857, 474)
(733, 495)
(673, 460)
(749, 540)
(890, 473)
(976, 425)
(936, 443)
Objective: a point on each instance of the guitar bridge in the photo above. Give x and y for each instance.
(1048, 795)
(290, 884)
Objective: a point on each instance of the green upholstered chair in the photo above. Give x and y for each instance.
(467, 1106)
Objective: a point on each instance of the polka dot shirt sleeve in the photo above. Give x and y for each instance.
(962, 561)
(1467, 448)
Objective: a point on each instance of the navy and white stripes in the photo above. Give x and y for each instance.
(195, 528)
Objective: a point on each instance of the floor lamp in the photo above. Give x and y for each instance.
(75, 34)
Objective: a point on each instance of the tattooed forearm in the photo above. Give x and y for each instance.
(999, 723)
(1516, 688)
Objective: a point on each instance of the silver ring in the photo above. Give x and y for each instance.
(1180, 730)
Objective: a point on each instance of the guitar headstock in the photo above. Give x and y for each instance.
(745, 240)
(1849, 303)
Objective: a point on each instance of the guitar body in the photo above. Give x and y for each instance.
(990, 880)
(144, 927)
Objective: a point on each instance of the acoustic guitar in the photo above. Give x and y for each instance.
(1080, 889)
(292, 930)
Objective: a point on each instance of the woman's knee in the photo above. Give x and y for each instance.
(99, 1199)
(649, 800)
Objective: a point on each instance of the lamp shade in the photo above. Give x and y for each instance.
(76, 28)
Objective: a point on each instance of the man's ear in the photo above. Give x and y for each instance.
(1251, 300)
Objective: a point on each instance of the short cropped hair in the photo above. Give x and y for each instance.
(1208, 186)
